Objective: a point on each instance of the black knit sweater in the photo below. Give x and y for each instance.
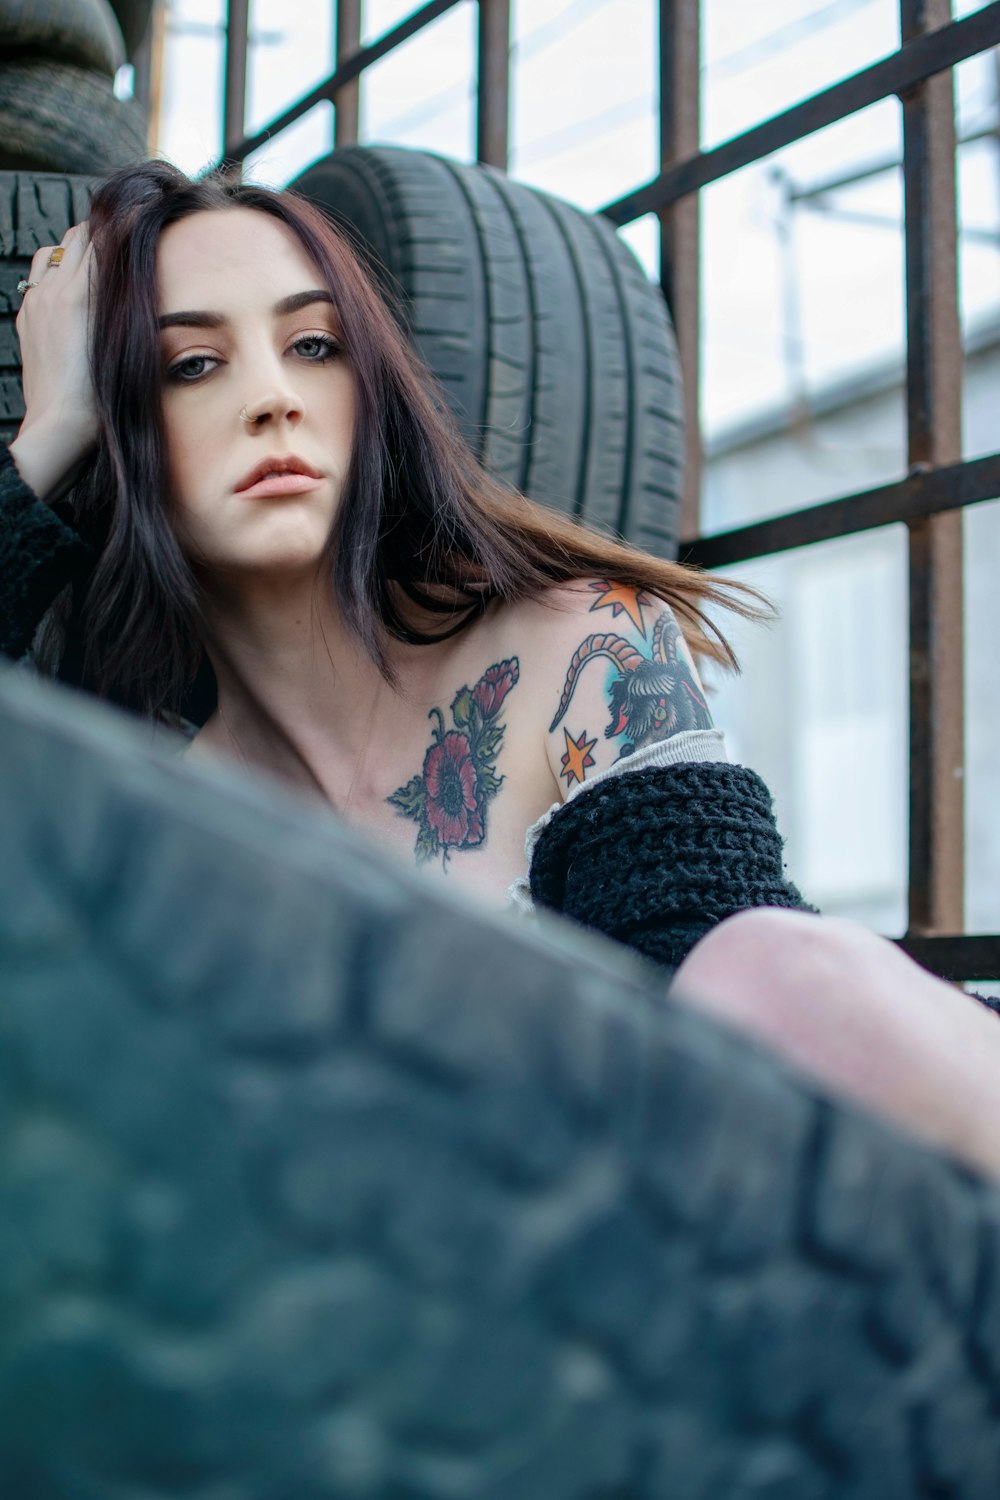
(656, 858)
(39, 556)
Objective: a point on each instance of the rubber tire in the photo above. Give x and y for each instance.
(133, 18)
(57, 118)
(36, 209)
(554, 352)
(83, 32)
(317, 1183)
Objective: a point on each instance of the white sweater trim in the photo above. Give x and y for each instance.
(680, 749)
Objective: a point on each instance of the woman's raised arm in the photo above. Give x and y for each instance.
(60, 422)
(39, 553)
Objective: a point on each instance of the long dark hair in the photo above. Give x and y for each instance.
(420, 522)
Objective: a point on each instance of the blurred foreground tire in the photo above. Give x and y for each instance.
(315, 1185)
(553, 351)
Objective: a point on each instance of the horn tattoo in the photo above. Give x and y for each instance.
(665, 654)
(625, 657)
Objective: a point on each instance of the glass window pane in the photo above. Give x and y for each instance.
(423, 94)
(380, 16)
(584, 92)
(982, 694)
(190, 124)
(282, 158)
(820, 710)
(759, 60)
(978, 108)
(803, 323)
(291, 50)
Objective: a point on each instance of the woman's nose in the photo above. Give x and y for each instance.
(278, 403)
(270, 410)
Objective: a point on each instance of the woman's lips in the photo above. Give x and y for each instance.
(280, 484)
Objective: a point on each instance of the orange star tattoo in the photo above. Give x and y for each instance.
(578, 758)
(622, 600)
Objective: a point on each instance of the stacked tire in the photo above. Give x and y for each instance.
(552, 349)
(36, 208)
(58, 61)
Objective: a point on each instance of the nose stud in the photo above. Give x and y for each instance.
(245, 415)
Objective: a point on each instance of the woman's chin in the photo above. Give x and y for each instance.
(285, 551)
(281, 540)
(283, 566)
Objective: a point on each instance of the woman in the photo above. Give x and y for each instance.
(264, 479)
(235, 474)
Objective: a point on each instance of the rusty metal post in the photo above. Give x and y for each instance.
(680, 277)
(347, 100)
(142, 67)
(493, 95)
(147, 64)
(934, 385)
(235, 98)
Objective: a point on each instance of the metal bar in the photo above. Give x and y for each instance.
(934, 437)
(956, 957)
(903, 70)
(680, 232)
(918, 495)
(355, 65)
(347, 100)
(148, 67)
(142, 81)
(156, 38)
(235, 98)
(493, 96)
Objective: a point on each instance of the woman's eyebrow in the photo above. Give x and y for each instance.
(217, 320)
(193, 320)
(301, 299)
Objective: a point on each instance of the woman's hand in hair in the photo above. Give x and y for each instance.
(60, 422)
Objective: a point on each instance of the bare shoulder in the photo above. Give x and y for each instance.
(618, 675)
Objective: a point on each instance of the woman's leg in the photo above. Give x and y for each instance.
(853, 1011)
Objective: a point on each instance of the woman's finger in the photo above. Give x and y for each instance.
(48, 281)
(39, 265)
(53, 328)
(74, 246)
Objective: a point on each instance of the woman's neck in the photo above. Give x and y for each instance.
(298, 694)
(294, 684)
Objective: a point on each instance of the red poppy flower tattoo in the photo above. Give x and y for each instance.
(448, 799)
(452, 805)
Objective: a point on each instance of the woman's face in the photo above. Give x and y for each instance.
(248, 328)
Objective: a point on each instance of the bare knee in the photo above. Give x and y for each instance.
(760, 945)
(769, 968)
(850, 1010)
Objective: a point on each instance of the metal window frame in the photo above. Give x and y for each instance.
(938, 485)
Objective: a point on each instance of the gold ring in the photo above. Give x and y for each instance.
(55, 259)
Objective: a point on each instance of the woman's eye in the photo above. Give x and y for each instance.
(191, 368)
(317, 347)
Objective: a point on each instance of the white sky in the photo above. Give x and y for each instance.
(791, 300)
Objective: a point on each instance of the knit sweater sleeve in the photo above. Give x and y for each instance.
(656, 858)
(39, 556)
